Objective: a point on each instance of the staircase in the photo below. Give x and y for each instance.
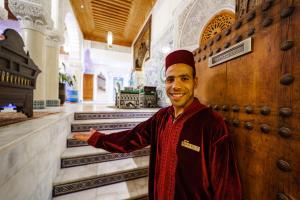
(88, 173)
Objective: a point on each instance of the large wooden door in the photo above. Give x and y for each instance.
(88, 87)
(259, 96)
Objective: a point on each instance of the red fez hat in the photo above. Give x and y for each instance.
(180, 56)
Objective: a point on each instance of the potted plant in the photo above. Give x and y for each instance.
(72, 92)
(63, 80)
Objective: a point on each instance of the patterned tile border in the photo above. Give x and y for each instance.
(111, 115)
(99, 181)
(98, 158)
(103, 126)
(52, 102)
(39, 104)
(75, 143)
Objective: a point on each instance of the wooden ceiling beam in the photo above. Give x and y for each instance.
(110, 19)
(111, 4)
(121, 2)
(109, 25)
(109, 13)
(111, 8)
(115, 33)
(112, 16)
(106, 29)
(123, 17)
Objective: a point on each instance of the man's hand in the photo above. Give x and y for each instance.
(84, 136)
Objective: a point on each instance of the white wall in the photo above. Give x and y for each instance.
(162, 16)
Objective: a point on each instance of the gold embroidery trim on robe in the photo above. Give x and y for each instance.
(187, 144)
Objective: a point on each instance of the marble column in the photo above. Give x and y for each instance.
(52, 53)
(33, 20)
(3, 13)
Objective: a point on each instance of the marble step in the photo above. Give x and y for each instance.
(85, 155)
(76, 143)
(136, 189)
(80, 178)
(113, 115)
(105, 124)
(139, 197)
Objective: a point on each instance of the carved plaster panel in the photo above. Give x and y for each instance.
(31, 13)
(183, 16)
(200, 13)
(3, 13)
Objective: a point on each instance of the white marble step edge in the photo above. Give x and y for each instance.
(83, 151)
(117, 110)
(100, 121)
(70, 136)
(117, 191)
(70, 174)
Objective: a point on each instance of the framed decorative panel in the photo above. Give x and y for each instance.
(101, 81)
(141, 47)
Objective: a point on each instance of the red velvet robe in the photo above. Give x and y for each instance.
(191, 156)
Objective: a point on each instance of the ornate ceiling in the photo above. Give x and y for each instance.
(123, 18)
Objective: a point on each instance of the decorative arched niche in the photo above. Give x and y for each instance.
(219, 22)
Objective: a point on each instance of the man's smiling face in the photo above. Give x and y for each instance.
(180, 85)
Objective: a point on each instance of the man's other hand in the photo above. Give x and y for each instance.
(84, 136)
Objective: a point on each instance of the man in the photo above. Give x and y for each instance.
(191, 151)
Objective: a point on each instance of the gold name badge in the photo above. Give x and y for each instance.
(187, 144)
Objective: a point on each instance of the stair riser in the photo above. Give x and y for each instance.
(103, 126)
(75, 143)
(76, 186)
(85, 160)
(142, 197)
(116, 115)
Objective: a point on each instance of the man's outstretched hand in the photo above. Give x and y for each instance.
(84, 136)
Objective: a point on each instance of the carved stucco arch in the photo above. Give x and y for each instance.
(198, 16)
